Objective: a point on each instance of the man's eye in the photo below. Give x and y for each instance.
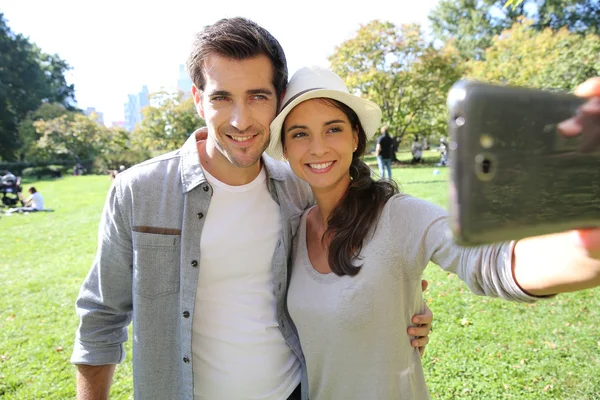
(219, 98)
(259, 97)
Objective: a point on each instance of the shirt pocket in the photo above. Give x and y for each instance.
(155, 264)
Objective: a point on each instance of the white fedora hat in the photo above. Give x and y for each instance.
(315, 82)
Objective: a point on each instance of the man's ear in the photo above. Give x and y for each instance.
(197, 95)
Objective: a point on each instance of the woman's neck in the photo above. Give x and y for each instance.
(328, 198)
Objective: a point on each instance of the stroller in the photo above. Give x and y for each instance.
(10, 189)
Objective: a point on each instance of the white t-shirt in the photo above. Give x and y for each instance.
(237, 348)
(37, 201)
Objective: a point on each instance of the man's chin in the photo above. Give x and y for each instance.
(244, 161)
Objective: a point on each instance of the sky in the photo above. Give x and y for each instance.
(116, 47)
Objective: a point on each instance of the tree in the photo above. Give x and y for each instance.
(71, 136)
(28, 135)
(400, 71)
(473, 23)
(543, 59)
(28, 78)
(167, 123)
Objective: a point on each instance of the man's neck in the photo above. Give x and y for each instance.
(218, 166)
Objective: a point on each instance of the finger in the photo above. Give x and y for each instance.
(424, 285)
(589, 88)
(570, 127)
(419, 342)
(419, 331)
(425, 318)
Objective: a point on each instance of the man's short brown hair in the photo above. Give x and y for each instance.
(239, 39)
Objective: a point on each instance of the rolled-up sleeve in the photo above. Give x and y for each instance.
(487, 270)
(104, 303)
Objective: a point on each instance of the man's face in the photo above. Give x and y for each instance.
(238, 104)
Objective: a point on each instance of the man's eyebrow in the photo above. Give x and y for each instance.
(219, 93)
(260, 91)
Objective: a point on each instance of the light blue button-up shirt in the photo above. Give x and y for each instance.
(146, 270)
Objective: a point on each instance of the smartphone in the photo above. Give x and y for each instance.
(512, 174)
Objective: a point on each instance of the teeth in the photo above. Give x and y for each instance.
(241, 138)
(320, 166)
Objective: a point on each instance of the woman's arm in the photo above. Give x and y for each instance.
(562, 262)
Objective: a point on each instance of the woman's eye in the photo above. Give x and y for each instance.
(297, 135)
(335, 129)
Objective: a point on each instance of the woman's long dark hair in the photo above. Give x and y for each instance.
(358, 210)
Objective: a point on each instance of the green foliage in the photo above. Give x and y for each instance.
(28, 135)
(44, 171)
(167, 123)
(28, 78)
(74, 136)
(543, 59)
(400, 71)
(471, 24)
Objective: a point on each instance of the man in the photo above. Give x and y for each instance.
(385, 152)
(193, 246)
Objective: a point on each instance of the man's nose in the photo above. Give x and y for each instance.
(241, 117)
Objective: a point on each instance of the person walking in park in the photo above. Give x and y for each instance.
(385, 153)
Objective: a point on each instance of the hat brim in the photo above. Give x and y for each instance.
(368, 113)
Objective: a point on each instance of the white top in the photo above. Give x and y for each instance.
(353, 329)
(37, 201)
(238, 350)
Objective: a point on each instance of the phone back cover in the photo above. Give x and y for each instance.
(539, 182)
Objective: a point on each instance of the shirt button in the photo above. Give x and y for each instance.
(200, 215)
(186, 360)
(186, 314)
(205, 188)
(194, 263)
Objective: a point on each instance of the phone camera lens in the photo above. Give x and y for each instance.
(485, 166)
(459, 121)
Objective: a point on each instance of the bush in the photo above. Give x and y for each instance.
(52, 171)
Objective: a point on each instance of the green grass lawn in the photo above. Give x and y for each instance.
(480, 349)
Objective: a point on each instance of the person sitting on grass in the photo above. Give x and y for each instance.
(35, 202)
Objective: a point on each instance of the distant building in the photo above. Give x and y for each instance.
(184, 83)
(99, 117)
(134, 108)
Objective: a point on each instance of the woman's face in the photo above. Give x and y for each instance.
(319, 142)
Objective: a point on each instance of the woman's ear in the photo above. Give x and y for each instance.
(354, 139)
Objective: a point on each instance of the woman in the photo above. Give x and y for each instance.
(360, 251)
